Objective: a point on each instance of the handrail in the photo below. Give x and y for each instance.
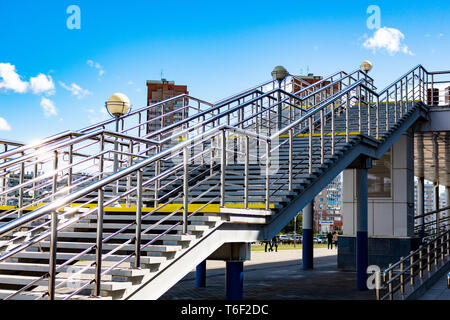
(124, 172)
(198, 115)
(216, 137)
(408, 268)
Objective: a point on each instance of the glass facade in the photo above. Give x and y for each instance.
(379, 177)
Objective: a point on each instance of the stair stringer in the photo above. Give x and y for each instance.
(157, 285)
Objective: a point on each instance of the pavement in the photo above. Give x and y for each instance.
(277, 276)
(439, 291)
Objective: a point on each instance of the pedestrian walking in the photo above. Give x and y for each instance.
(268, 245)
(275, 243)
(335, 239)
(330, 240)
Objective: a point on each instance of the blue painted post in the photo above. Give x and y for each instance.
(234, 280)
(362, 240)
(307, 242)
(200, 275)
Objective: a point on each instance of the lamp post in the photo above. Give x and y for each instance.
(117, 105)
(366, 66)
(279, 73)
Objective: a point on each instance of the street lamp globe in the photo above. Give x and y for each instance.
(118, 105)
(279, 73)
(366, 66)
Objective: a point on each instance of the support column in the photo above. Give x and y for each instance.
(234, 280)
(200, 275)
(447, 204)
(308, 230)
(362, 236)
(421, 204)
(234, 253)
(420, 210)
(436, 207)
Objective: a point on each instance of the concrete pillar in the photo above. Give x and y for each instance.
(308, 230)
(200, 275)
(362, 238)
(234, 280)
(234, 253)
(421, 204)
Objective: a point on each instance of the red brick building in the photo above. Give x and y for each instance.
(162, 90)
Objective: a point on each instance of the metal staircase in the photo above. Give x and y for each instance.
(233, 172)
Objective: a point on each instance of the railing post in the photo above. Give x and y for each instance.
(432, 89)
(322, 139)
(99, 243)
(368, 114)
(347, 110)
(211, 160)
(157, 182)
(267, 175)
(396, 102)
(420, 262)
(406, 93)
(310, 145)
(223, 168)
(436, 252)
(70, 176)
(391, 294)
(246, 171)
(52, 255)
(429, 258)
(55, 175)
(411, 268)
(291, 152)
(359, 110)
(130, 162)
(185, 189)
(137, 250)
(333, 139)
(402, 279)
(378, 114)
(21, 190)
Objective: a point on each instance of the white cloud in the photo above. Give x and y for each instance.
(97, 66)
(75, 89)
(388, 39)
(10, 80)
(42, 83)
(49, 107)
(4, 125)
(96, 116)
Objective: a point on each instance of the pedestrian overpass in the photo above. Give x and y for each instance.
(125, 213)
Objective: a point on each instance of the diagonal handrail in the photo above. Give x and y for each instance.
(215, 134)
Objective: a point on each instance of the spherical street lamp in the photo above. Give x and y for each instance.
(117, 105)
(366, 66)
(279, 73)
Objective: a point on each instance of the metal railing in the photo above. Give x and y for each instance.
(436, 223)
(402, 278)
(438, 91)
(217, 147)
(251, 112)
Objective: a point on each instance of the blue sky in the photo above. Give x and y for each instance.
(215, 47)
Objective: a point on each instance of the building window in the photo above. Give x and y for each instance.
(379, 177)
